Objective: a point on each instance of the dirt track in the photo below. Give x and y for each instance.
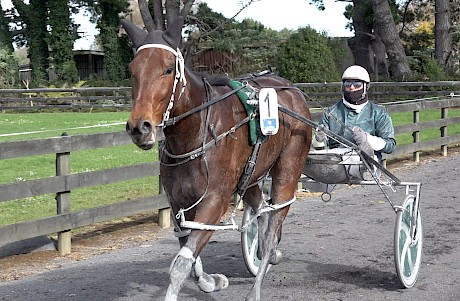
(341, 250)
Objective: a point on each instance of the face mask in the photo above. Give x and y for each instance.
(355, 97)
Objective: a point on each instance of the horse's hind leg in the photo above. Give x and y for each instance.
(269, 229)
(253, 197)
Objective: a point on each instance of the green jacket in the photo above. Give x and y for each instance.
(373, 119)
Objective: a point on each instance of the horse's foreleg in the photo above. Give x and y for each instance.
(185, 264)
(208, 282)
(178, 272)
(269, 226)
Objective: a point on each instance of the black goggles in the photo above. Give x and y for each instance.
(355, 83)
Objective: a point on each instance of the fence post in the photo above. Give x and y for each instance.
(164, 215)
(416, 136)
(443, 129)
(63, 201)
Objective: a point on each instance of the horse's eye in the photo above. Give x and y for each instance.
(169, 70)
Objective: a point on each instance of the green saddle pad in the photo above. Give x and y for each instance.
(254, 125)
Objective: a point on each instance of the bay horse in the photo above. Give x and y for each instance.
(206, 150)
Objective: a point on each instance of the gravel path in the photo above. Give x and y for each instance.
(341, 250)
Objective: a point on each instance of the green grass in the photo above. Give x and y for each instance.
(45, 125)
(425, 115)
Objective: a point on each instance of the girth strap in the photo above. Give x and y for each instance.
(249, 168)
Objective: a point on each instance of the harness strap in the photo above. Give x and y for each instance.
(249, 169)
(174, 120)
(199, 151)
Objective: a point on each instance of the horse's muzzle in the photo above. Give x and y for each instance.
(142, 134)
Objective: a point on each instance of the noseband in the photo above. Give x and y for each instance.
(179, 76)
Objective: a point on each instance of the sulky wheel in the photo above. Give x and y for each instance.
(249, 241)
(408, 251)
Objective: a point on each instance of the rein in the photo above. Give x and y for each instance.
(174, 120)
(201, 150)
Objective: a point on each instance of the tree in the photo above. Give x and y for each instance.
(61, 40)
(455, 34)
(385, 27)
(34, 17)
(5, 34)
(442, 35)
(306, 57)
(115, 49)
(376, 37)
(360, 44)
(157, 14)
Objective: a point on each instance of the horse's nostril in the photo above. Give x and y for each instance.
(129, 128)
(145, 127)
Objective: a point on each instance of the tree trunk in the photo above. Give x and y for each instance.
(385, 25)
(360, 43)
(455, 23)
(442, 37)
(380, 59)
(145, 14)
(157, 14)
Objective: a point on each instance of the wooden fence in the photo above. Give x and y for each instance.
(119, 98)
(64, 182)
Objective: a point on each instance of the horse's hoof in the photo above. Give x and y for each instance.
(214, 282)
(206, 283)
(277, 258)
(221, 281)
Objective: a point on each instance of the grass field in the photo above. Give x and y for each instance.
(426, 115)
(45, 125)
(14, 127)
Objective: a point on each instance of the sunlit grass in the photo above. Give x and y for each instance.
(425, 115)
(45, 125)
(36, 167)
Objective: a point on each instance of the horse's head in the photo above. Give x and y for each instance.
(156, 70)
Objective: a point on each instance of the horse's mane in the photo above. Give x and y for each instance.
(220, 80)
(213, 80)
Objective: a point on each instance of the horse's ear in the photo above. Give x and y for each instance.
(136, 34)
(173, 35)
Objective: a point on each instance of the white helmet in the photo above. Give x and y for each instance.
(356, 72)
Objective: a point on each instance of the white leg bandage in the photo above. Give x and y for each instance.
(184, 252)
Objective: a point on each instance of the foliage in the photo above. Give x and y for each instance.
(421, 39)
(252, 46)
(115, 49)
(34, 16)
(5, 34)
(306, 57)
(425, 67)
(61, 40)
(8, 69)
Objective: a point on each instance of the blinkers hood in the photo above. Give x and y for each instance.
(170, 37)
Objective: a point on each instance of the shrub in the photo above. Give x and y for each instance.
(306, 57)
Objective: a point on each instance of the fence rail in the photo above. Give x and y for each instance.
(64, 182)
(120, 98)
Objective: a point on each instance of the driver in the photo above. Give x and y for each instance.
(356, 118)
